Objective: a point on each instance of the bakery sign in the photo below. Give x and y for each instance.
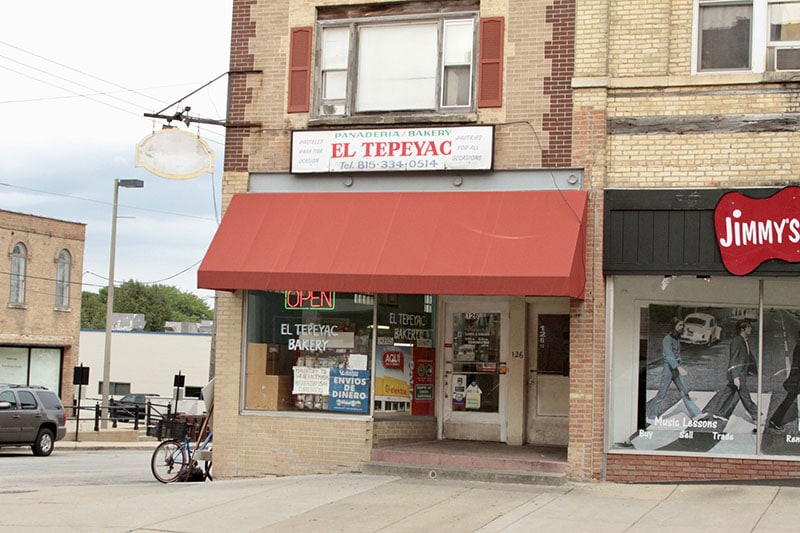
(436, 148)
(750, 231)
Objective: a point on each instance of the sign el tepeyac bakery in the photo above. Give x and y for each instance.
(391, 150)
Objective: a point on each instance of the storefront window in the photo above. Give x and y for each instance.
(313, 351)
(711, 373)
(404, 366)
(31, 366)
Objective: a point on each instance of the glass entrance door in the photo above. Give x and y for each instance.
(474, 389)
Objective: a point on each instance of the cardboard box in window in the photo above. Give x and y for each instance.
(262, 358)
(268, 393)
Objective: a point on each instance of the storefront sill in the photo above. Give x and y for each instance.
(763, 457)
(301, 414)
(402, 416)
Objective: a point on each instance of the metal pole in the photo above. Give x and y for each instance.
(109, 310)
(132, 183)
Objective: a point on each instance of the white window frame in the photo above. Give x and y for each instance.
(760, 45)
(332, 63)
(63, 273)
(773, 46)
(19, 262)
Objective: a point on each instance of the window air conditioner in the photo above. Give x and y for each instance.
(786, 58)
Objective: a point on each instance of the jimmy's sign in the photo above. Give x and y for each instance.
(393, 150)
(750, 231)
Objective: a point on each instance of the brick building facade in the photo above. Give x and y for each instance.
(474, 256)
(40, 323)
(629, 127)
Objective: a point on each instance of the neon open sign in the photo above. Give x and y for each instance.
(319, 300)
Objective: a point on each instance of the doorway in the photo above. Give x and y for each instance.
(547, 419)
(473, 385)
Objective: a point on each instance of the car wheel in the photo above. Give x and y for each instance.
(44, 443)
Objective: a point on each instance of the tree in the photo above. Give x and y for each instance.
(158, 303)
(93, 310)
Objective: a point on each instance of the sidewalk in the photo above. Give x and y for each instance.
(372, 503)
(359, 502)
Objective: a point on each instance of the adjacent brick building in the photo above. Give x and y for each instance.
(41, 281)
(675, 105)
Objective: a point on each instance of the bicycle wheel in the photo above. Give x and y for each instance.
(169, 461)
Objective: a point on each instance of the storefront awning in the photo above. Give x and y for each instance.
(471, 243)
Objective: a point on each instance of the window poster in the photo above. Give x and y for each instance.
(349, 391)
(701, 370)
(393, 373)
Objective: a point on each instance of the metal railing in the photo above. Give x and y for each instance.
(150, 414)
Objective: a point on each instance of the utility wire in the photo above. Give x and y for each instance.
(83, 73)
(2, 184)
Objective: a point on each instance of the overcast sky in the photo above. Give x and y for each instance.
(75, 80)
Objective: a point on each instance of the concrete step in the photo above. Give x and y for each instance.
(464, 474)
(482, 461)
(471, 460)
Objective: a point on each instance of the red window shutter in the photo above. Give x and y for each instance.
(490, 63)
(299, 70)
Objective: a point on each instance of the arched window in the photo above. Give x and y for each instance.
(19, 258)
(63, 267)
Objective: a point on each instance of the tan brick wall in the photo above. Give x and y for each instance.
(404, 428)
(639, 38)
(710, 160)
(591, 38)
(39, 322)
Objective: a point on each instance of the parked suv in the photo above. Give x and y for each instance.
(31, 416)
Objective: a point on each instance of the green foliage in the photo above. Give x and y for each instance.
(158, 303)
(93, 310)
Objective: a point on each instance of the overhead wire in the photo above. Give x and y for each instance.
(139, 107)
(144, 209)
(93, 96)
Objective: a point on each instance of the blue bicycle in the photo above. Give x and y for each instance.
(174, 460)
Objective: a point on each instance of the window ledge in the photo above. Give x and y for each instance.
(62, 309)
(702, 78)
(16, 306)
(387, 119)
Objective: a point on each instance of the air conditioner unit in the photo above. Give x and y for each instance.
(785, 58)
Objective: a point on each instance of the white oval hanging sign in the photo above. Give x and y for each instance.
(174, 154)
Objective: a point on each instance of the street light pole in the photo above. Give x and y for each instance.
(135, 184)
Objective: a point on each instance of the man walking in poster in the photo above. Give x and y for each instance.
(740, 363)
(673, 372)
(792, 386)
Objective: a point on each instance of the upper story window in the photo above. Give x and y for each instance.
(424, 65)
(412, 58)
(750, 36)
(19, 259)
(63, 268)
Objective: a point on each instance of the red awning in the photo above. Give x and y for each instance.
(503, 243)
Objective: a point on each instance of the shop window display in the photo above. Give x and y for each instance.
(310, 351)
(715, 378)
